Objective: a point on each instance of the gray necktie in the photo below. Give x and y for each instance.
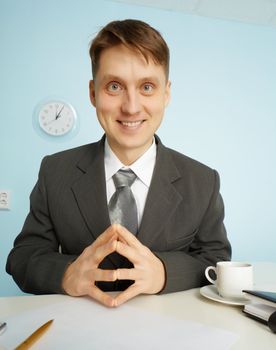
(122, 206)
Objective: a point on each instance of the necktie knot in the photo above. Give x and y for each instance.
(124, 178)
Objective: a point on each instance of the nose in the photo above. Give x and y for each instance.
(131, 104)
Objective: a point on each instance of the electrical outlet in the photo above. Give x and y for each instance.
(5, 199)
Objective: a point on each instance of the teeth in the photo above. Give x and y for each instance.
(132, 124)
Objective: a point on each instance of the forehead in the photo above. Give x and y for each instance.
(120, 60)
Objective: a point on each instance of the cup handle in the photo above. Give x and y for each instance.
(209, 268)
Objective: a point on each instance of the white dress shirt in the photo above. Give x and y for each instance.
(142, 167)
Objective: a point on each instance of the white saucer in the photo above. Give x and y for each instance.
(211, 292)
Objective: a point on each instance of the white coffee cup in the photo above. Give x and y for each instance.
(232, 278)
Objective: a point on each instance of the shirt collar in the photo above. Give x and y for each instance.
(142, 167)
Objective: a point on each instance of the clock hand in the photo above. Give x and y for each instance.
(58, 115)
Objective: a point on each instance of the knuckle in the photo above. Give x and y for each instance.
(113, 245)
(87, 250)
(97, 258)
(119, 274)
(113, 275)
(79, 289)
(81, 266)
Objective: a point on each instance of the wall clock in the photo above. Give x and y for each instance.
(55, 119)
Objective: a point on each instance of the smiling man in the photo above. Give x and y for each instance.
(130, 95)
(126, 213)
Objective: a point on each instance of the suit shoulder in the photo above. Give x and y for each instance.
(72, 153)
(198, 175)
(65, 161)
(185, 162)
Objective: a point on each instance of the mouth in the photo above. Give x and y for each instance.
(131, 124)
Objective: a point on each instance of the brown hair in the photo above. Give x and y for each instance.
(134, 34)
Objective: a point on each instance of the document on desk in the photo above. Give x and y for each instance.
(81, 323)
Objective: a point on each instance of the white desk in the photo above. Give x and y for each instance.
(188, 305)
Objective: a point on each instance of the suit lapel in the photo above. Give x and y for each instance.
(90, 190)
(162, 199)
(90, 193)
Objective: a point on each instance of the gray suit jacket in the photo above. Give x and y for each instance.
(182, 222)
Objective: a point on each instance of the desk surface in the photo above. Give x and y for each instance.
(188, 305)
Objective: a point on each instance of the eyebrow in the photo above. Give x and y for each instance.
(112, 77)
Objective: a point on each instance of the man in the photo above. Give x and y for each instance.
(74, 240)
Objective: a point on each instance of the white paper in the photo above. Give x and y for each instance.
(81, 323)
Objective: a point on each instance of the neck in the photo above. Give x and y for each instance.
(130, 155)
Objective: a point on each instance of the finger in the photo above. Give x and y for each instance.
(101, 297)
(101, 252)
(126, 295)
(128, 252)
(104, 275)
(128, 274)
(100, 241)
(127, 237)
(118, 228)
(92, 256)
(109, 234)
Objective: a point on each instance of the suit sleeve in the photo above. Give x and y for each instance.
(185, 269)
(35, 262)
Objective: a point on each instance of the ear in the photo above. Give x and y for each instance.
(167, 93)
(92, 92)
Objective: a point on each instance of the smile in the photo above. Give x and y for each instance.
(132, 124)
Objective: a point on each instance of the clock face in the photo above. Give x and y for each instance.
(56, 118)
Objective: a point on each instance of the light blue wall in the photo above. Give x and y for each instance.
(222, 110)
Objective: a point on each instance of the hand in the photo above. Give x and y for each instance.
(80, 277)
(148, 272)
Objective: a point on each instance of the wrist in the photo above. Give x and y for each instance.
(163, 276)
(66, 279)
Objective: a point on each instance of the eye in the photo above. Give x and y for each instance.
(147, 88)
(114, 87)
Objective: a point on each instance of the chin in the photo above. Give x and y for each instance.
(132, 144)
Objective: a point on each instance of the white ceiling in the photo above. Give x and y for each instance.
(261, 12)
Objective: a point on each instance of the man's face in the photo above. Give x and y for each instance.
(130, 96)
